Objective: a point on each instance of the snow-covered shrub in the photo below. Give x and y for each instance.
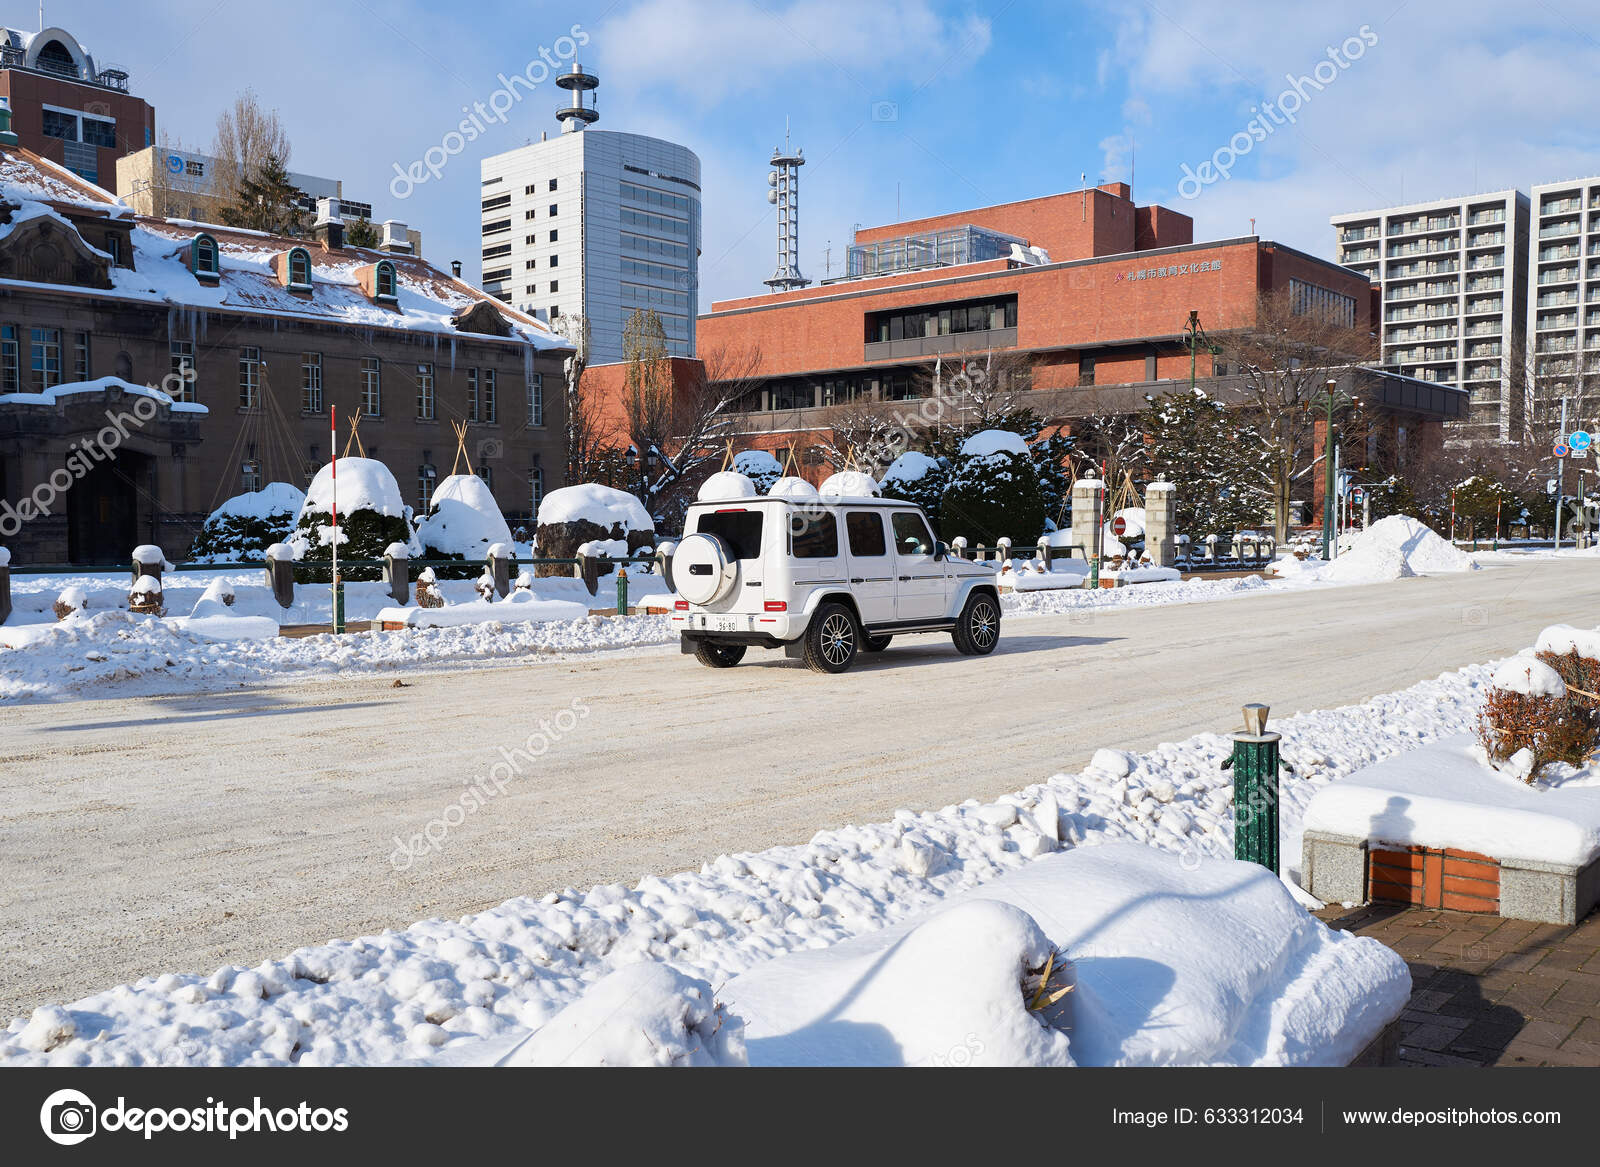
(371, 516)
(1574, 654)
(215, 600)
(428, 595)
(917, 478)
(849, 484)
(727, 486)
(243, 527)
(993, 492)
(797, 488)
(463, 522)
(485, 586)
(145, 597)
(575, 515)
(760, 467)
(1527, 720)
(71, 601)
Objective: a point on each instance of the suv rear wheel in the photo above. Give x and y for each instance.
(832, 639)
(718, 656)
(978, 628)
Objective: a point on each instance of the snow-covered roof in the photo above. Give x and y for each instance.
(55, 394)
(427, 300)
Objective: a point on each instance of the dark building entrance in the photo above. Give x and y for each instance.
(103, 510)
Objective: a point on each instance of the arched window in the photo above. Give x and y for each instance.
(299, 268)
(384, 280)
(203, 259)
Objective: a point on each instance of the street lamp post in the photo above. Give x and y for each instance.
(1196, 338)
(1335, 400)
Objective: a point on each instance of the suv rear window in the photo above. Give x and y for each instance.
(865, 529)
(740, 530)
(815, 536)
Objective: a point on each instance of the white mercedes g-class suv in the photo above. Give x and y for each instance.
(822, 580)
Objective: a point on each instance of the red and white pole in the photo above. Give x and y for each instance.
(333, 470)
(1452, 516)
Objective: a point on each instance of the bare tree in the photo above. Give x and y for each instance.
(1285, 359)
(862, 435)
(592, 433)
(246, 134)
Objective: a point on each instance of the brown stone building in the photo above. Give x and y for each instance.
(151, 369)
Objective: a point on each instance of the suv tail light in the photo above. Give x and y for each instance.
(776, 606)
(682, 605)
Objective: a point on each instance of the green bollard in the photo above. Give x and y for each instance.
(1255, 791)
(622, 591)
(338, 603)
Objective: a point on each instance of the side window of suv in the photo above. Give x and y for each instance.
(911, 535)
(865, 530)
(814, 536)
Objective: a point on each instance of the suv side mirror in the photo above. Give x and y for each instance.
(941, 552)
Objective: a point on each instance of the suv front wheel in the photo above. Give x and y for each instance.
(977, 630)
(832, 639)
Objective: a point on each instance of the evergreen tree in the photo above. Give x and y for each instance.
(268, 201)
(918, 478)
(361, 233)
(1218, 463)
(992, 494)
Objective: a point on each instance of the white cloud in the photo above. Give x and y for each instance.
(711, 49)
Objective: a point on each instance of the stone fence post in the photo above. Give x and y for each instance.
(280, 574)
(664, 553)
(148, 560)
(5, 585)
(1044, 551)
(500, 569)
(1003, 547)
(397, 572)
(1160, 521)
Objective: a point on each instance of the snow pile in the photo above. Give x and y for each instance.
(1397, 547)
(365, 484)
(600, 505)
(74, 598)
(987, 443)
(726, 486)
(463, 519)
(216, 600)
(849, 484)
(1174, 965)
(1563, 639)
(909, 995)
(1445, 795)
(640, 1015)
(371, 512)
(1528, 676)
(796, 488)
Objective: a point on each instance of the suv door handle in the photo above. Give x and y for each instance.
(904, 578)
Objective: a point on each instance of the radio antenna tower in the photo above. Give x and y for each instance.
(784, 180)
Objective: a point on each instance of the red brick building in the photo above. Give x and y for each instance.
(70, 107)
(1090, 290)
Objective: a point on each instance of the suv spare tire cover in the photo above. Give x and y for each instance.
(703, 569)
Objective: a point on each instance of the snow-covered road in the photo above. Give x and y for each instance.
(141, 835)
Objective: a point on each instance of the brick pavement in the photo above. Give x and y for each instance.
(1487, 991)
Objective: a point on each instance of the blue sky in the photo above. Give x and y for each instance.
(905, 107)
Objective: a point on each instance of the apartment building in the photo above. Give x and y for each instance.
(1564, 308)
(1453, 279)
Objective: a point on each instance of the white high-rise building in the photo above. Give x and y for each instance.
(1453, 275)
(597, 223)
(1564, 308)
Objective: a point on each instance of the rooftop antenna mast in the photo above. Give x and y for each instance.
(576, 116)
(784, 181)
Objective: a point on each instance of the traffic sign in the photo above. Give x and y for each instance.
(1561, 451)
(1119, 526)
(1579, 440)
(1359, 495)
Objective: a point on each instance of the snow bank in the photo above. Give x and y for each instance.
(526, 610)
(726, 486)
(1397, 547)
(849, 484)
(601, 505)
(1444, 795)
(985, 443)
(1174, 964)
(640, 1015)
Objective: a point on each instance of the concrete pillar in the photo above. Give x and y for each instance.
(500, 569)
(1160, 523)
(1088, 503)
(1044, 551)
(588, 570)
(5, 585)
(664, 552)
(397, 573)
(958, 547)
(280, 574)
(1003, 547)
